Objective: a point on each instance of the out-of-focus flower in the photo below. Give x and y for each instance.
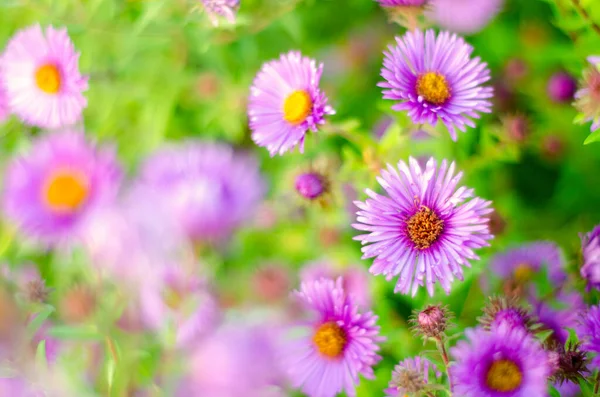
(52, 346)
(402, 3)
(515, 70)
(206, 187)
(355, 280)
(221, 8)
(464, 16)
(504, 362)
(497, 223)
(78, 304)
(587, 99)
(570, 363)
(588, 331)
(411, 376)
(340, 343)
(590, 247)
(311, 185)
(49, 191)
(434, 78)
(559, 317)
(10, 324)
(19, 386)
(271, 282)
(28, 281)
(561, 87)
(424, 229)
(42, 83)
(505, 311)
(285, 102)
(431, 322)
(553, 147)
(4, 110)
(516, 127)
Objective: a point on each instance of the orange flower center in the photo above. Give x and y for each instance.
(523, 273)
(504, 376)
(47, 78)
(296, 107)
(330, 340)
(424, 228)
(433, 87)
(66, 191)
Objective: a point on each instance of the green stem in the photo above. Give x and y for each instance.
(585, 15)
(597, 383)
(444, 353)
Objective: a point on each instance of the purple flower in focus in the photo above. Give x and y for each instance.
(504, 362)
(285, 102)
(411, 376)
(590, 247)
(434, 78)
(221, 8)
(42, 83)
(561, 87)
(340, 342)
(560, 316)
(425, 229)
(588, 331)
(206, 187)
(464, 16)
(49, 191)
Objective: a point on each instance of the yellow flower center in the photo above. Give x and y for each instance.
(172, 298)
(433, 87)
(66, 191)
(48, 79)
(297, 107)
(330, 340)
(504, 376)
(523, 273)
(424, 228)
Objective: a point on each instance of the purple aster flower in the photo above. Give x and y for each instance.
(559, 316)
(505, 311)
(402, 3)
(221, 8)
(311, 185)
(208, 188)
(19, 386)
(411, 376)
(590, 247)
(568, 389)
(504, 362)
(50, 190)
(285, 102)
(355, 279)
(41, 77)
(522, 262)
(561, 87)
(464, 16)
(425, 229)
(587, 99)
(339, 344)
(588, 331)
(434, 78)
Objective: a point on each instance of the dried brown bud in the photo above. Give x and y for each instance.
(36, 291)
(571, 363)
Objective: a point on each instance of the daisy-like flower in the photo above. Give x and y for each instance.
(340, 344)
(42, 83)
(587, 99)
(590, 247)
(588, 331)
(504, 362)
(285, 102)
(208, 188)
(424, 229)
(505, 311)
(434, 78)
(464, 16)
(49, 191)
(560, 316)
(221, 8)
(411, 376)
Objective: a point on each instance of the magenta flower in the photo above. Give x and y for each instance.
(561, 87)
(340, 343)
(4, 109)
(434, 78)
(588, 331)
(424, 229)
(50, 190)
(464, 16)
(561, 315)
(285, 102)
(42, 83)
(590, 248)
(221, 8)
(587, 98)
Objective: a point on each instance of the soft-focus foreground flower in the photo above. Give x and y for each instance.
(411, 376)
(588, 332)
(311, 185)
(590, 247)
(559, 316)
(40, 72)
(4, 110)
(464, 16)
(341, 343)
(433, 77)
(587, 99)
(505, 362)
(505, 311)
(561, 87)
(49, 191)
(285, 102)
(425, 229)
(221, 8)
(206, 187)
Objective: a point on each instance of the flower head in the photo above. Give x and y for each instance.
(561, 87)
(570, 363)
(434, 78)
(505, 311)
(431, 322)
(505, 362)
(590, 247)
(587, 99)
(588, 331)
(206, 187)
(41, 77)
(464, 16)
(425, 229)
(311, 185)
(285, 102)
(341, 343)
(221, 8)
(411, 376)
(49, 191)
(559, 316)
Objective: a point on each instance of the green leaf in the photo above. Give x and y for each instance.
(554, 392)
(593, 137)
(40, 356)
(35, 324)
(586, 388)
(87, 332)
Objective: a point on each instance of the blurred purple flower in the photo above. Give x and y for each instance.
(49, 191)
(587, 99)
(4, 110)
(464, 16)
(433, 77)
(402, 3)
(590, 248)
(221, 8)
(53, 345)
(560, 316)
(42, 83)
(424, 229)
(411, 376)
(588, 331)
(311, 185)
(285, 102)
(561, 87)
(19, 386)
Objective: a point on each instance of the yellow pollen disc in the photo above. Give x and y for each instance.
(523, 273)
(424, 228)
(297, 107)
(172, 298)
(504, 376)
(433, 87)
(47, 78)
(330, 340)
(66, 191)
